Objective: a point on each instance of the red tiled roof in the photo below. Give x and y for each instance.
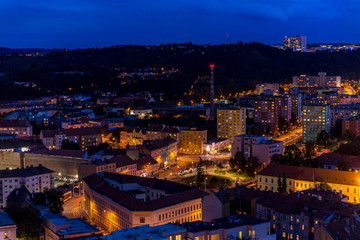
(144, 161)
(72, 132)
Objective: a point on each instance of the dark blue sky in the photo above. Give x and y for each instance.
(90, 23)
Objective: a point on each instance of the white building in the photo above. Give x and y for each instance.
(35, 179)
(7, 227)
(256, 146)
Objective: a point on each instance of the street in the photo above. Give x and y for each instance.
(291, 137)
(73, 208)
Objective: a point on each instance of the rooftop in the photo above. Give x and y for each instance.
(5, 220)
(25, 172)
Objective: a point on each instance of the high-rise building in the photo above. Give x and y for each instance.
(297, 43)
(231, 122)
(296, 105)
(320, 81)
(316, 118)
(352, 124)
(192, 141)
(266, 112)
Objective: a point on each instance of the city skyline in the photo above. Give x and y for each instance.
(83, 24)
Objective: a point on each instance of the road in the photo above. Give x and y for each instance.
(187, 162)
(73, 208)
(291, 137)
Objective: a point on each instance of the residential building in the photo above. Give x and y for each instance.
(233, 227)
(297, 43)
(95, 166)
(142, 113)
(267, 112)
(256, 146)
(117, 201)
(267, 88)
(302, 178)
(231, 122)
(7, 227)
(146, 166)
(164, 151)
(192, 141)
(21, 128)
(58, 227)
(125, 165)
(316, 118)
(132, 136)
(351, 124)
(342, 112)
(296, 105)
(36, 179)
(85, 137)
(321, 81)
(331, 161)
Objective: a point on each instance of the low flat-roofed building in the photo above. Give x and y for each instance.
(331, 160)
(145, 232)
(60, 227)
(7, 227)
(233, 227)
(216, 145)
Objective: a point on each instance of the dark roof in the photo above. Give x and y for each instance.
(72, 132)
(220, 223)
(144, 161)
(25, 172)
(18, 143)
(275, 170)
(122, 161)
(14, 123)
(61, 152)
(160, 143)
(333, 158)
(115, 152)
(96, 183)
(171, 130)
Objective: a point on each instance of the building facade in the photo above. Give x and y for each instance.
(316, 118)
(115, 201)
(297, 43)
(192, 141)
(321, 81)
(231, 122)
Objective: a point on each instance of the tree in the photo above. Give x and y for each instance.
(238, 162)
(284, 184)
(343, 164)
(348, 136)
(348, 149)
(336, 130)
(55, 201)
(293, 155)
(67, 144)
(27, 219)
(278, 159)
(252, 166)
(323, 138)
(323, 186)
(200, 173)
(94, 149)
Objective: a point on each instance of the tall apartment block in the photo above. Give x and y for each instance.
(320, 81)
(266, 112)
(267, 88)
(352, 124)
(297, 43)
(296, 105)
(231, 122)
(316, 118)
(192, 141)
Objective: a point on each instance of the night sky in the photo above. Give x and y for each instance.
(99, 23)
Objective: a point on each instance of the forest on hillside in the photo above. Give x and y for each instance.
(238, 67)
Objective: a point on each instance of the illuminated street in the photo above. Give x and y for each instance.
(73, 208)
(293, 136)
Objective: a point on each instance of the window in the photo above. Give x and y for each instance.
(142, 220)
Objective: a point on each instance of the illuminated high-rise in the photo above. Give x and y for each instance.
(297, 43)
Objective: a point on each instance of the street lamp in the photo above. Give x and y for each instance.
(205, 183)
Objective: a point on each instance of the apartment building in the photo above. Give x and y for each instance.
(231, 122)
(21, 128)
(322, 81)
(85, 137)
(192, 141)
(316, 118)
(36, 179)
